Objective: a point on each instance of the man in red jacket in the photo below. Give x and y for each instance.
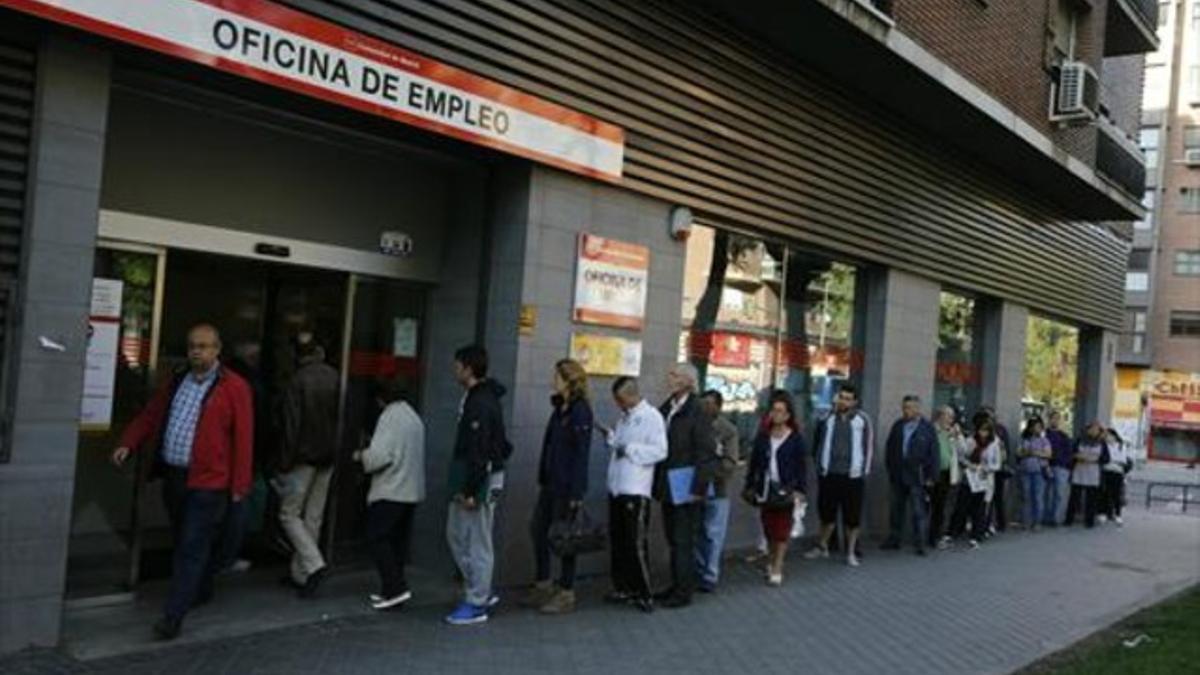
(201, 426)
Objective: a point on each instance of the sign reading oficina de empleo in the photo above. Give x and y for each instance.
(610, 282)
(296, 51)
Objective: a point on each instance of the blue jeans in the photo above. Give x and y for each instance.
(1034, 484)
(908, 500)
(1058, 491)
(196, 549)
(710, 540)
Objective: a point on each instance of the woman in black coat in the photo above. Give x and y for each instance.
(562, 478)
(777, 479)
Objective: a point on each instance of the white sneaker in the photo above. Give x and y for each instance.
(388, 603)
(945, 543)
(775, 580)
(1102, 519)
(817, 552)
(972, 544)
(1119, 522)
(852, 560)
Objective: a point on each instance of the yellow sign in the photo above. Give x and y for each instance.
(607, 354)
(527, 322)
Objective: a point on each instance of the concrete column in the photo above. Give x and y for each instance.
(1095, 376)
(1001, 357)
(897, 317)
(70, 116)
(537, 216)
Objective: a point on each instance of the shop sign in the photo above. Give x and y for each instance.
(1175, 401)
(282, 47)
(607, 355)
(610, 282)
(100, 370)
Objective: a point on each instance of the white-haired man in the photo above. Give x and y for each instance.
(691, 448)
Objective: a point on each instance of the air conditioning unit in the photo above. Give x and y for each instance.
(1191, 156)
(1075, 94)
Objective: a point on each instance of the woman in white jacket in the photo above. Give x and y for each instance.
(395, 461)
(979, 457)
(1112, 482)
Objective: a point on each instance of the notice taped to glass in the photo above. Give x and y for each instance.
(610, 282)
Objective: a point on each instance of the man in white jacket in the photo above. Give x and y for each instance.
(637, 444)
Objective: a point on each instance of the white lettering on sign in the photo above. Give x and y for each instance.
(289, 49)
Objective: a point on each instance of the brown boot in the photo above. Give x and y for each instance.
(562, 602)
(538, 595)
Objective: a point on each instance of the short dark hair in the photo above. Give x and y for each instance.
(911, 398)
(715, 396)
(473, 358)
(849, 388)
(622, 382)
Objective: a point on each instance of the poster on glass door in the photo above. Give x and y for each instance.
(103, 339)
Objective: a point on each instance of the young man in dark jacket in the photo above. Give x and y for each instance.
(715, 520)
(912, 466)
(476, 479)
(309, 414)
(690, 444)
(200, 425)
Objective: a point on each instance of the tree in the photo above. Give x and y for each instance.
(1051, 360)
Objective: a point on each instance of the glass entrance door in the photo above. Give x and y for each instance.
(123, 334)
(384, 345)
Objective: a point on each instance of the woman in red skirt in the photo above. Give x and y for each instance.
(776, 480)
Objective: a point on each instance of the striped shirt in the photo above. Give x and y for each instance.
(185, 413)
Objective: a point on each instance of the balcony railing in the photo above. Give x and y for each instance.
(1126, 169)
(1148, 9)
(1131, 28)
(885, 6)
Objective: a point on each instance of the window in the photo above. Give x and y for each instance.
(1154, 92)
(1191, 137)
(956, 375)
(1139, 259)
(1062, 32)
(1185, 324)
(1187, 263)
(759, 314)
(1164, 9)
(1137, 281)
(1148, 199)
(1194, 83)
(1135, 326)
(1148, 139)
(1189, 200)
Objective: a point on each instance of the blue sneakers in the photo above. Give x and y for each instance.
(467, 614)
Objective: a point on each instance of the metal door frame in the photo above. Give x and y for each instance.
(140, 466)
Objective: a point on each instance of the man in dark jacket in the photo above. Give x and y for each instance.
(308, 415)
(912, 465)
(476, 479)
(200, 425)
(690, 448)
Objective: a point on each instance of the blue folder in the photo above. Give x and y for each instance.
(680, 482)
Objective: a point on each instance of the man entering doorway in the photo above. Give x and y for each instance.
(308, 414)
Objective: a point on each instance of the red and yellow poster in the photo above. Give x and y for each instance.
(610, 282)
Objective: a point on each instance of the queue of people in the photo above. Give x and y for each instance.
(682, 454)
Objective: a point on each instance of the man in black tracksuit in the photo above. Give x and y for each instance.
(690, 443)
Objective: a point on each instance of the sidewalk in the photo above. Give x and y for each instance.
(1020, 597)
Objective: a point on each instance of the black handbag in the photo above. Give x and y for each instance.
(778, 497)
(577, 534)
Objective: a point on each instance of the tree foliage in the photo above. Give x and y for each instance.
(1051, 361)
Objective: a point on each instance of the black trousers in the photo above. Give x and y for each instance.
(201, 518)
(1090, 498)
(549, 510)
(968, 505)
(938, 496)
(999, 505)
(389, 534)
(1113, 487)
(680, 522)
(628, 525)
